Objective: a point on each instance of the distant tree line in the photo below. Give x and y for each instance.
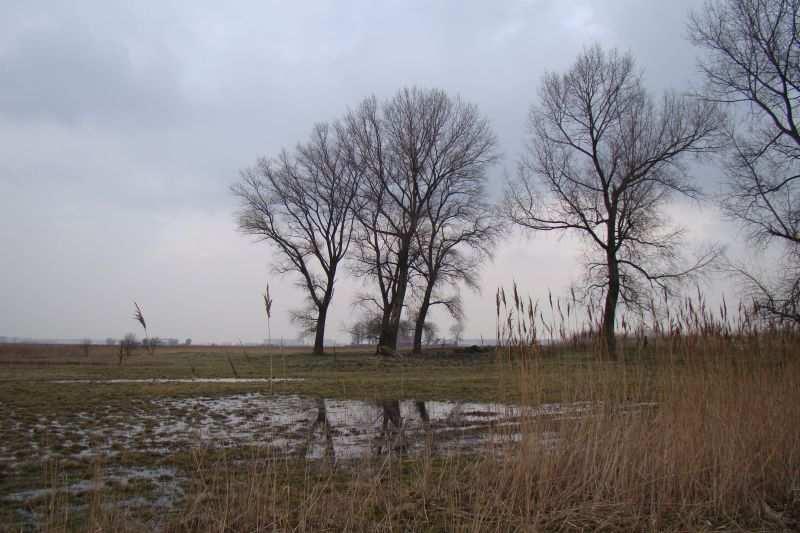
(154, 341)
(397, 189)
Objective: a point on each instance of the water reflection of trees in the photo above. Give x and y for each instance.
(394, 433)
(322, 426)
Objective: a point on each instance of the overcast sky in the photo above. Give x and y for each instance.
(122, 127)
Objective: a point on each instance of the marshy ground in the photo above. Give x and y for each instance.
(74, 425)
(176, 439)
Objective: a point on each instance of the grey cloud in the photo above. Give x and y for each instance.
(122, 126)
(67, 75)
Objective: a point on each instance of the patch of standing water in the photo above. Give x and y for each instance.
(165, 489)
(27, 495)
(288, 424)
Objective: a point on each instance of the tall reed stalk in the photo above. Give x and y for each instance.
(268, 311)
(139, 317)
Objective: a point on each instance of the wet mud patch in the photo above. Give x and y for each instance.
(145, 449)
(288, 424)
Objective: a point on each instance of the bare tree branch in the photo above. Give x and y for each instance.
(753, 65)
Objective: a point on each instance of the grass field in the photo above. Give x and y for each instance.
(690, 433)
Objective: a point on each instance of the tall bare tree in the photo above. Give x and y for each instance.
(430, 330)
(303, 203)
(753, 66)
(602, 162)
(407, 148)
(458, 233)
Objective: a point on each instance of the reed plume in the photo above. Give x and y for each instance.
(139, 317)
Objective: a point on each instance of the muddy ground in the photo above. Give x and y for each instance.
(72, 426)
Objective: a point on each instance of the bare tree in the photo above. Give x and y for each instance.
(366, 329)
(407, 148)
(358, 332)
(151, 344)
(753, 66)
(603, 160)
(126, 346)
(458, 232)
(303, 204)
(430, 331)
(457, 331)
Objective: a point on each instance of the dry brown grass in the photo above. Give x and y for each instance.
(700, 433)
(720, 449)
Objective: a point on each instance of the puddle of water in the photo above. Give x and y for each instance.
(290, 424)
(163, 478)
(176, 380)
(333, 430)
(75, 488)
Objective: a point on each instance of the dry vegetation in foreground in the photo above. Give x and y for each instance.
(713, 445)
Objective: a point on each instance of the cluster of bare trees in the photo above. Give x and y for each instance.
(424, 158)
(399, 186)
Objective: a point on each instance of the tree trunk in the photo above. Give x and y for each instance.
(418, 330)
(419, 327)
(385, 336)
(610, 309)
(388, 342)
(319, 335)
(322, 315)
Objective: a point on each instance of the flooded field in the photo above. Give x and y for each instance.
(283, 425)
(332, 430)
(288, 424)
(183, 443)
(145, 440)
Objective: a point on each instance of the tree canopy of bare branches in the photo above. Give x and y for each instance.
(603, 159)
(753, 66)
(458, 233)
(303, 203)
(407, 149)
